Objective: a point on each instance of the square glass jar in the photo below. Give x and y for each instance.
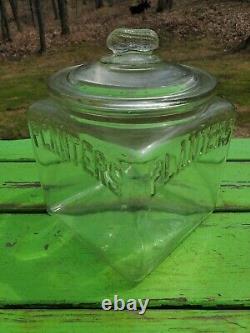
(131, 151)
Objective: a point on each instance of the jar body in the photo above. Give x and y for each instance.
(131, 191)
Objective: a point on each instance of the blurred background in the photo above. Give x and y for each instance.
(39, 37)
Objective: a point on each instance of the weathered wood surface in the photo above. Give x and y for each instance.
(93, 321)
(43, 263)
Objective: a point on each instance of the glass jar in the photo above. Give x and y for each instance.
(130, 151)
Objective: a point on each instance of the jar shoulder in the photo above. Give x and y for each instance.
(216, 110)
(220, 107)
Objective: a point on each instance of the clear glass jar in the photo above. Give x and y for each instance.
(130, 151)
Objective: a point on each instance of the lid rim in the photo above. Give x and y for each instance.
(176, 109)
(60, 88)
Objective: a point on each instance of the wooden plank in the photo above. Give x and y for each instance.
(44, 261)
(21, 150)
(20, 189)
(92, 321)
(233, 198)
(239, 150)
(16, 150)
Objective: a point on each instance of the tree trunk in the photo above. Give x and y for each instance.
(164, 4)
(4, 22)
(40, 22)
(54, 6)
(13, 4)
(248, 42)
(64, 17)
(244, 45)
(110, 3)
(3, 28)
(76, 5)
(30, 4)
(98, 4)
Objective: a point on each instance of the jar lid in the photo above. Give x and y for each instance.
(131, 81)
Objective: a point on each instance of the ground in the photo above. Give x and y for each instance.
(198, 33)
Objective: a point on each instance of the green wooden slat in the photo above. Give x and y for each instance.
(234, 198)
(20, 190)
(93, 321)
(21, 150)
(16, 150)
(239, 150)
(19, 187)
(45, 262)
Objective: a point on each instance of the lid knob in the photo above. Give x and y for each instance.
(132, 40)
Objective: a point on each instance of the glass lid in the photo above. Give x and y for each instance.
(132, 79)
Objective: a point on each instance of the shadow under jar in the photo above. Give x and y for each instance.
(130, 151)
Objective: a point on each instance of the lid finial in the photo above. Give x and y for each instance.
(132, 40)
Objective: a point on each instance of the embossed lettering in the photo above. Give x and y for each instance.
(69, 147)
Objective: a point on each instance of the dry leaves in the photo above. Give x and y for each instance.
(227, 22)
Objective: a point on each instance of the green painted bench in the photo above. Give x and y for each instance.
(49, 284)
